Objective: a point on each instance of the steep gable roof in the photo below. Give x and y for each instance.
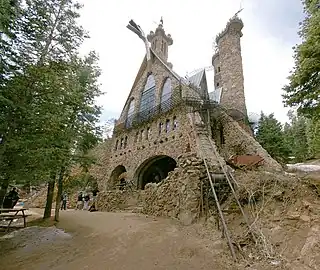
(143, 67)
(197, 78)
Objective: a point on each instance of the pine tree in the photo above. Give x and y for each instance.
(270, 136)
(47, 99)
(300, 144)
(303, 90)
(313, 136)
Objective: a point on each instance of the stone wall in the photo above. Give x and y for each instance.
(229, 60)
(113, 200)
(172, 142)
(179, 195)
(240, 142)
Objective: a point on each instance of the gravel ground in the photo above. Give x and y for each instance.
(101, 240)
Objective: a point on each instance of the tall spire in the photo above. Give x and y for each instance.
(160, 41)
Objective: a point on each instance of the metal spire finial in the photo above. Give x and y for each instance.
(161, 20)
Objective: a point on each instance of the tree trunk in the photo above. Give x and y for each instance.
(51, 183)
(59, 193)
(3, 190)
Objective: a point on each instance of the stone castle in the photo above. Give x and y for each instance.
(166, 116)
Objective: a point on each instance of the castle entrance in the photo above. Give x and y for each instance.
(114, 178)
(154, 170)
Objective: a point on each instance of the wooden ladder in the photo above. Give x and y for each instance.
(230, 178)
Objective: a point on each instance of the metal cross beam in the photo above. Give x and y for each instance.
(132, 26)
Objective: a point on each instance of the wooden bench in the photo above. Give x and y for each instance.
(5, 214)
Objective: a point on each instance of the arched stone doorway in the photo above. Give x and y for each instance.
(114, 178)
(154, 169)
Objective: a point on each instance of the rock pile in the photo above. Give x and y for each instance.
(114, 200)
(179, 195)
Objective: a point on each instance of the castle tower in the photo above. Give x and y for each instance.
(227, 62)
(160, 42)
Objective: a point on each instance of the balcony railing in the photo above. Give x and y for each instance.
(191, 103)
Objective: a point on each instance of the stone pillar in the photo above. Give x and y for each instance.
(227, 62)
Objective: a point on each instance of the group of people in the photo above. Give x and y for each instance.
(83, 201)
(11, 199)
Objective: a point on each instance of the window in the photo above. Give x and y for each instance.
(130, 113)
(141, 135)
(218, 69)
(148, 133)
(175, 123)
(125, 141)
(166, 101)
(160, 128)
(218, 84)
(116, 146)
(136, 136)
(167, 125)
(148, 98)
(121, 143)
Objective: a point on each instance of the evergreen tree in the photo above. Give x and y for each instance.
(304, 87)
(300, 143)
(270, 136)
(313, 136)
(47, 98)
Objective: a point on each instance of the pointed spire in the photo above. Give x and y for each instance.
(161, 20)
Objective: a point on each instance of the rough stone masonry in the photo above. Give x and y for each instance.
(170, 124)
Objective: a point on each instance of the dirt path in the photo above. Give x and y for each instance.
(122, 241)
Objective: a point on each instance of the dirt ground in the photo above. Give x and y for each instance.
(102, 240)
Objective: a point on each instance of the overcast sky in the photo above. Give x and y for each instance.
(270, 32)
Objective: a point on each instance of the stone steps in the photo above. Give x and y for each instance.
(220, 183)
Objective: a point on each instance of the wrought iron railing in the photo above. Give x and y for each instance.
(189, 103)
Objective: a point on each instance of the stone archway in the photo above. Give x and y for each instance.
(114, 178)
(154, 169)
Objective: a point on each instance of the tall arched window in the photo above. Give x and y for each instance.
(166, 101)
(148, 99)
(130, 113)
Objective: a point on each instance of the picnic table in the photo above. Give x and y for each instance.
(12, 214)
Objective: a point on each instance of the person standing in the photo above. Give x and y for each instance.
(13, 197)
(64, 199)
(94, 194)
(79, 201)
(93, 207)
(86, 202)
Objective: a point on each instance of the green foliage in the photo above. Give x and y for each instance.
(8, 12)
(303, 90)
(313, 136)
(271, 137)
(48, 116)
(298, 142)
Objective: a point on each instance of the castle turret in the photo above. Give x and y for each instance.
(227, 62)
(160, 42)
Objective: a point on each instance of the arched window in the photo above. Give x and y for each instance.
(166, 101)
(130, 113)
(148, 99)
(175, 123)
(116, 146)
(125, 142)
